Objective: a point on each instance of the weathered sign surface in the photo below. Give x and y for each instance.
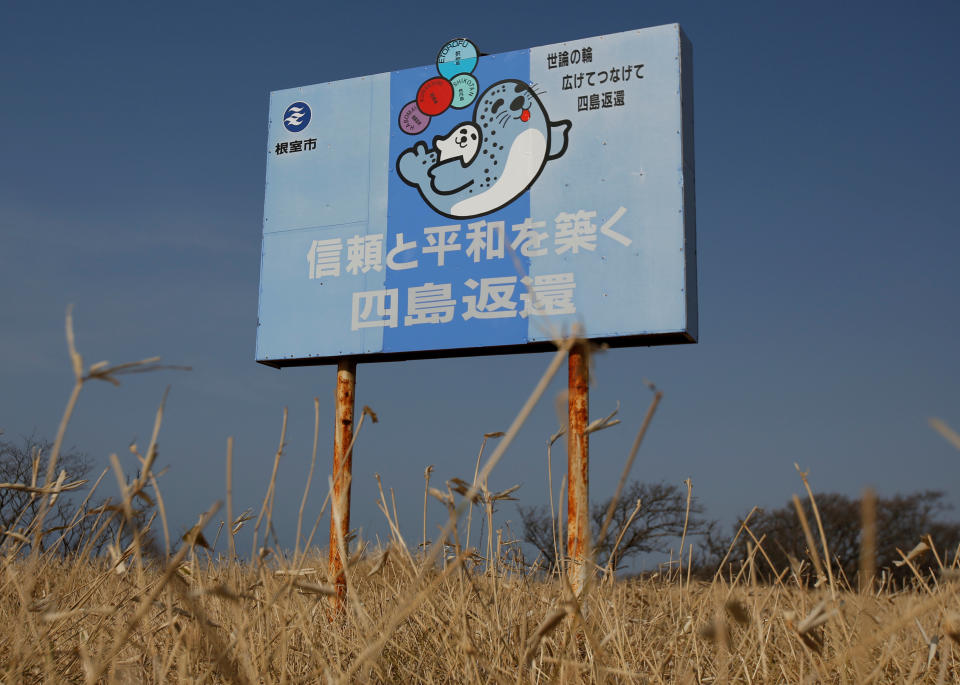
(483, 204)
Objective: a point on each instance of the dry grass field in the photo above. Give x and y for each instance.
(442, 613)
(249, 623)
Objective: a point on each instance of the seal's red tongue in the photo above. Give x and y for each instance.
(525, 115)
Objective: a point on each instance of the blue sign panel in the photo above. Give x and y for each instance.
(483, 204)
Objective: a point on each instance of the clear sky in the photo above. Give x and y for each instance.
(131, 185)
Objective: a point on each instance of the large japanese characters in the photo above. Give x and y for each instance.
(495, 297)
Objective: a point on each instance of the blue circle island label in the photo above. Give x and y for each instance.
(459, 56)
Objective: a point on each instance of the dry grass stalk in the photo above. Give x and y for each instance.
(811, 545)
(868, 540)
(919, 549)
(948, 433)
(613, 552)
(951, 625)
(266, 509)
(823, 535)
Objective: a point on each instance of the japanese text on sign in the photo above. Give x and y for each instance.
(483, 241)
(291, 146)
(491, 298)
(564, 58)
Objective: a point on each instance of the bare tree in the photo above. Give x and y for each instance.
(648, 516)
(902, 521)
(17, 466)
(24, 463)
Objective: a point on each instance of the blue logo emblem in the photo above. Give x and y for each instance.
(296, 117)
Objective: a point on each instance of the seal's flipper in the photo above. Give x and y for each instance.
(558, 138)
(451, 177)
(414, 164)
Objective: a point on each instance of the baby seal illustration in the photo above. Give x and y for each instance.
(463, 141)
(464, 176)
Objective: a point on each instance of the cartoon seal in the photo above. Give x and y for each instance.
(515, 138)
(463, 142)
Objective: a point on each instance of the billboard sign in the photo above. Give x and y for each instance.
(483, 204)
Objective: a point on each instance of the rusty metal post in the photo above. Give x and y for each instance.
(578, 462)
(342, 472)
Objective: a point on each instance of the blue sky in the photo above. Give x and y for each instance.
(132, 186)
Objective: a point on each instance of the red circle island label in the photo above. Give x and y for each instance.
(435, 96)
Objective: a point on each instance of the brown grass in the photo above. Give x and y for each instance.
(444, 614)
(222, 622)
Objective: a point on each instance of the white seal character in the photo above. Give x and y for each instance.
(463, 142)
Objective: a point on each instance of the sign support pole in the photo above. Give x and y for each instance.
(342, 473)
(578, 461)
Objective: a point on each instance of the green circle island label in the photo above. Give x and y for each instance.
(465, 89)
